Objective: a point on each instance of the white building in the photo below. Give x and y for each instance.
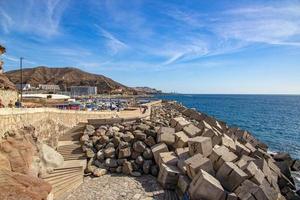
(83, 90)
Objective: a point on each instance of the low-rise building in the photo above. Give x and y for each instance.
(24, 86)
(83, 90)
(48, 87)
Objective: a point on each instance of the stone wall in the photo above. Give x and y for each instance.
(15, 118)
(8, 95)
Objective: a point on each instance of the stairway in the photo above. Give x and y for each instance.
(68, 177)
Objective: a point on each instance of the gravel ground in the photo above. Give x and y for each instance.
(119, 187)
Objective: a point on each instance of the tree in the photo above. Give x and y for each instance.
(2, 49)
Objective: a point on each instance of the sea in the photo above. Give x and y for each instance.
(273, 119)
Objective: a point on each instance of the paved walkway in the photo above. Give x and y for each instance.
(118, 187)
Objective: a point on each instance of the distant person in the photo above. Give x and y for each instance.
(18, 104)
(1, 104)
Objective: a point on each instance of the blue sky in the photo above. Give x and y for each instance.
(184, 46)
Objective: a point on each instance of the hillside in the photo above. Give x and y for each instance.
(65, 77)
(147, 90)
(5, 84)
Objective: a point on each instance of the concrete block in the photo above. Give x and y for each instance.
(254, 173)
(182, 153)
(181, 140)
(241, 149)
(205, 186)
(192, 131)
(182, 166)
(250, 191)
(231, 196)
(179, 123)
(197, 162)
(168, 158)
(215, 135)
(183, 183)
(157, 149)
(167, 138)
(220, 155)
(168, 176)
(163, 130)
(200, 145)
(243, 161)
(228, 142)
(230, 176)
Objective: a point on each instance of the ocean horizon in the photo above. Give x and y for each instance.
(272, 118)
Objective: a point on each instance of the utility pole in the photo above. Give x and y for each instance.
(21, 69)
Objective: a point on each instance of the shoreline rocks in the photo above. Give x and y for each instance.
(191, 153)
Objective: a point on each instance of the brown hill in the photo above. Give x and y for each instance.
(65, 77)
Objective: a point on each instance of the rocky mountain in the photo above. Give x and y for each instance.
(147, 90)
(65, 77)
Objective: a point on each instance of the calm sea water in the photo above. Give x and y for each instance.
(273, 119)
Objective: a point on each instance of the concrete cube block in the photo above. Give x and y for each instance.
(250, 191)
(168, 158)
(192, 131)
(182, 153)
(241, 149)
(220, 155)
(228, 142)
(243, 161)
(230, 176)
(181, 140)
(167, 138)
(200, 145)
(205, 186)
(197, 162)
(183, 183)
(215, 135)
(157, 149)
(163, 130)
(254, 173)
(179, 123)
(168, 176)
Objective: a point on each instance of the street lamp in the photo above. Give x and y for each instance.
(21, 78)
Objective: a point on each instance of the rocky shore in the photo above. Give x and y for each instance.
(190, 153)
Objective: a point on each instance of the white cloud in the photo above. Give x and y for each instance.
(114, 44)
(5, 21)
(33, 16)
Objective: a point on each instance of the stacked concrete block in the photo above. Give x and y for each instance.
(182, 185)
(230, 176)
(228, 142)
(215, 135)
(197, 162)
(168, 158)
(182, 154)
(168, 176)
(221, 155)
(179, 123)
(254, 173)
(199, 144)
(241, 149)
(167, 138)
(157, 149)
(192, 131)
(205, 186)
(181, 140)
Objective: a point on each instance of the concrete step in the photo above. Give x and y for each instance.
(61, 172)
(57, 180)
(61, 192)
